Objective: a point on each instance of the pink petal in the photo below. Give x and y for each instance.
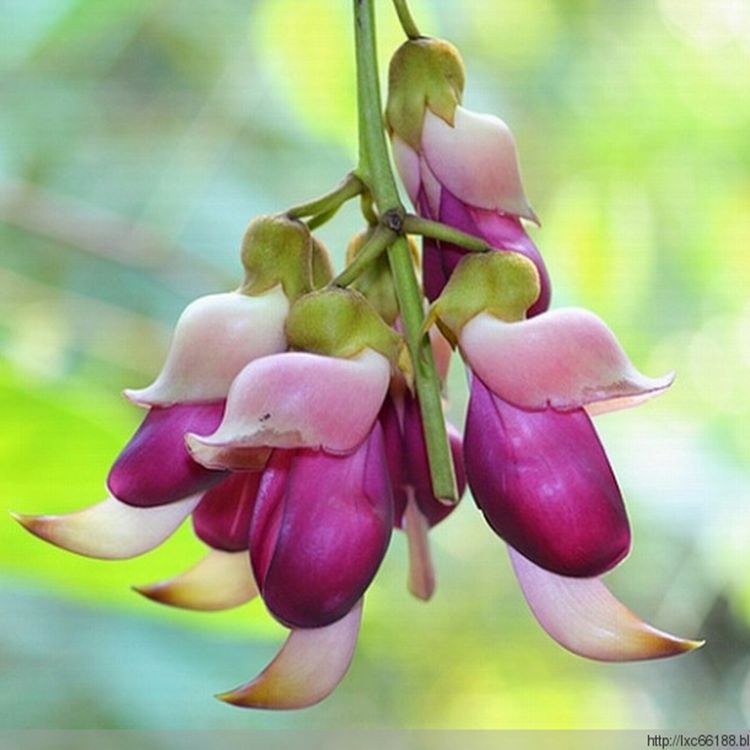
(155, 467)
(584, 617)
(221, 580)
(501, 231)
(222, 519)
(215, 337)
(407, 163)
(506, 232)
(544, 484)
(564, 359)
(432, 190)
(441, 351)
(476, 159)
(320, 529)
(110, 530)
(298, 400)
(306, 670)
(421, 580)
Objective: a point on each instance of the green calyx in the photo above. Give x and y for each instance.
(279, 250)
(322, 267)
(375, 282)
(423, 73)
(342, 323)
(501, 283)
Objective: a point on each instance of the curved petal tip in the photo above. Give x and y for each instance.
(110, 530)
(221, 580)
(213, 453)
(297, 400)
(583, 616)
(565, 359)
(307, 669)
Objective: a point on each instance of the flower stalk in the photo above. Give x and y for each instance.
(350, 187)
(408, 24)
(436, 230)
(382, 238)
(375, 172)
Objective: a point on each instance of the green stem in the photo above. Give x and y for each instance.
(351, 186)
(319, 219)
(382, 238)
(375, 171)
(407, 20)
(437, 231)
(368, 210)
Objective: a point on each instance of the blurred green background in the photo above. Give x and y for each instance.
(139, 137)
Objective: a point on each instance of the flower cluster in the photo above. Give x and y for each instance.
(285, 419)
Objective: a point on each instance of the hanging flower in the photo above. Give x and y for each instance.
(458, 167)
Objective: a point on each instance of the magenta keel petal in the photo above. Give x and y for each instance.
(418, 469)
(501, 231)
(155, 467)
(222, 520)
(544, 484)
(319, 532)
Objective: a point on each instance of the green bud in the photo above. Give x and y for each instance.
(501, 283)
(322, 267)
(277, 250)
(341, 323)
(423, 73)
(375, 282)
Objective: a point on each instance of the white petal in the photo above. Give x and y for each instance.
(111, 530)
(307, 669)
(221, 580)
(298, 400)
(565, 358)
(583, 616)
(407, 163)
(476, 159)
(215, 337)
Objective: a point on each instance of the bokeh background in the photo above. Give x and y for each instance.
(139, 137)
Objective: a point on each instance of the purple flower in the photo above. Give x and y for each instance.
(533, 459)
(466, 175)
(416, 509)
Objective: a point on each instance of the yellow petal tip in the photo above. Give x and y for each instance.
(238, 697)
(33, 524)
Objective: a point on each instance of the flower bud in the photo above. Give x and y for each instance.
(322, 267)
(375, 282)
(342, 323)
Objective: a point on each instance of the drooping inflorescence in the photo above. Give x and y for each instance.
(295, 418)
